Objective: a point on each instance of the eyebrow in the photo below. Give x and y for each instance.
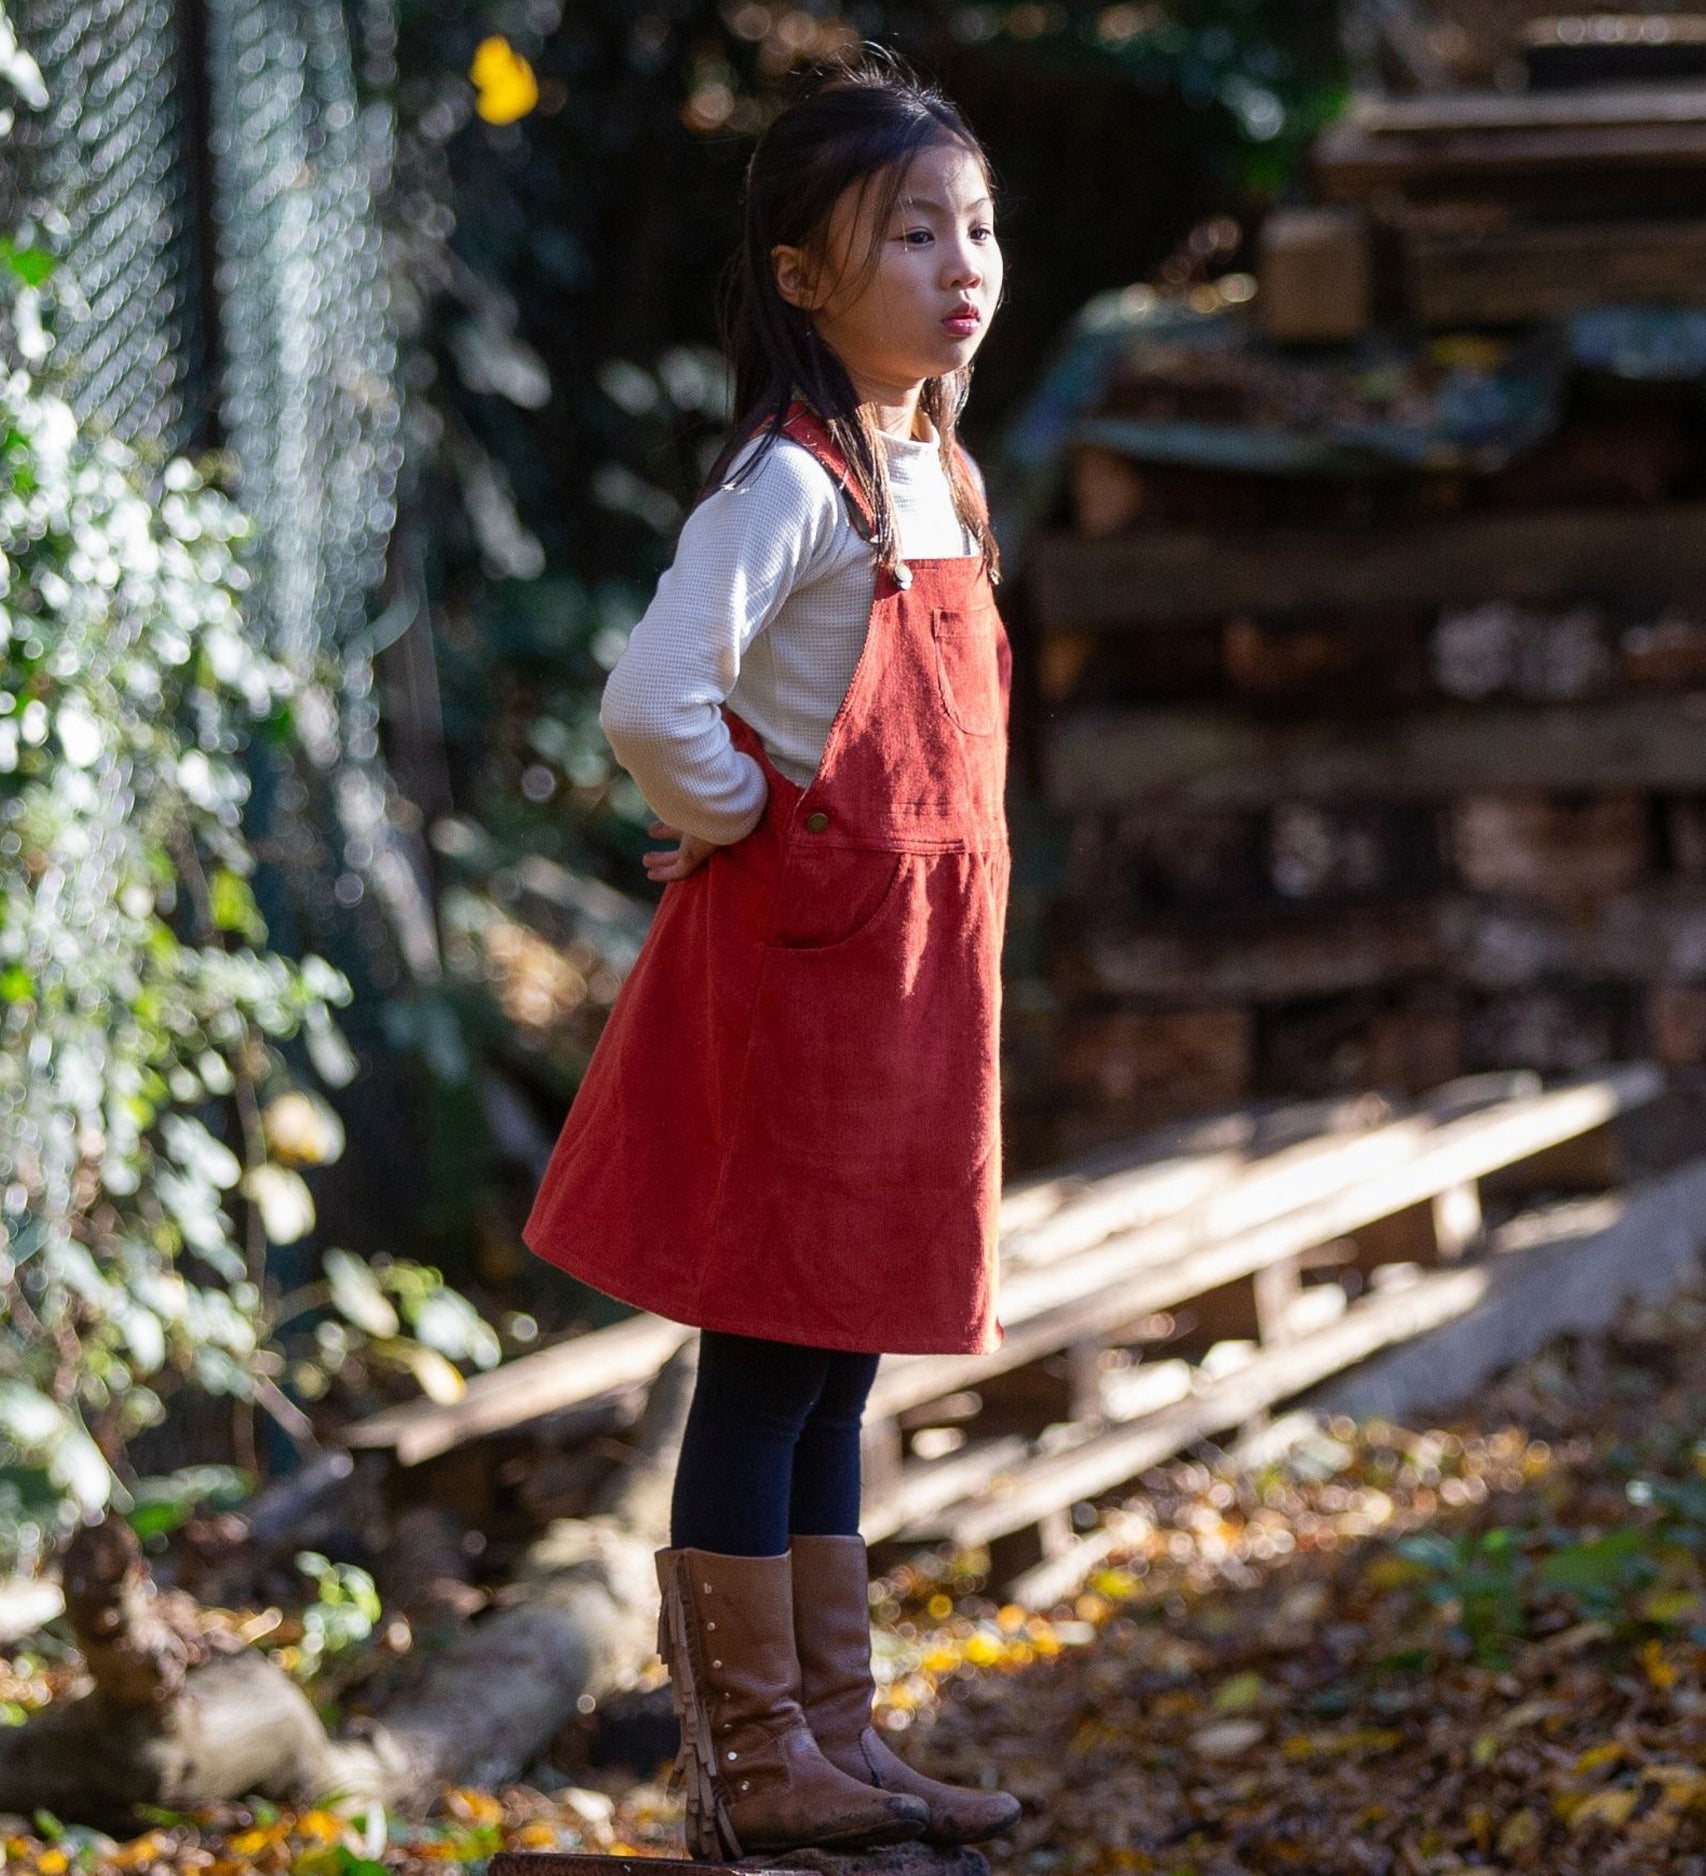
(924, 201)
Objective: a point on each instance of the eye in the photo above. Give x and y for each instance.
(983, 232)
(916, 236)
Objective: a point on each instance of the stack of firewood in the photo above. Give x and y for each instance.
(1534, 161)
(1370, 783)
(1371, 634)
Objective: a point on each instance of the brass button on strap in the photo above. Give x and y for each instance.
(816, 823)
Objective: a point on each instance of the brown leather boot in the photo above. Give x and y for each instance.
(832, 1633)
(755, 1779)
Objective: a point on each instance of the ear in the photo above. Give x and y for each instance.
(796, 279)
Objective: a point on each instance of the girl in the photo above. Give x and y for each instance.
(789, 1132)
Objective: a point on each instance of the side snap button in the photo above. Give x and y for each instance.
(816, 823)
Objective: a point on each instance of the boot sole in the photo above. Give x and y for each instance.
(874, 1838)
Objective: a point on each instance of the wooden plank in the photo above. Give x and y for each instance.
(1599, 105)
(923, 1488)
(1169, 576)
(1109, 1459)
(564, 1376)
(1159, 1266)
(1110, 757)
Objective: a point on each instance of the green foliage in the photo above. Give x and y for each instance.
(341, 1615)
(1504, 1585)
(1480, 1579)
(140, 1017)
(391, 1315)
(162, 1505)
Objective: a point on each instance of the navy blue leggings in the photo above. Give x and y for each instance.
(771, 1446)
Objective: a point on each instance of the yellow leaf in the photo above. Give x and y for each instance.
(1243, 1690)
(1610, 1806)
(52, 1862)
(247, 1842)
(154, 1847)
(1661, 1671)
(1607, 1754)
(1520, 1829)
(1681, 1782)
(440, 1381)
(1485, 1749)
(1671, 1605)
(474, 1807)
(503, 80)
(535, 1836)
(302, 1130)
(1362, 1739)
(321, 1826)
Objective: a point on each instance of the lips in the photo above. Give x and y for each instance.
(963, 320)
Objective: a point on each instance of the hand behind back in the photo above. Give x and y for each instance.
(676, 862)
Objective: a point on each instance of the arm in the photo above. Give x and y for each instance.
(741, 552)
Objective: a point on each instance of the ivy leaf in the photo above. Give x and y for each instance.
(357, 1296)
(234, 908)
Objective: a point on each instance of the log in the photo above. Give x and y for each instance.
(1676, 1024)
(1561, 853)
(1514, 276)
(579, 1623)
(1605, 106)
(1172, 575)
(1500, 141)
(163, 1721)
(1296, 954)
(1316, 273)
(161, 1718)
(1652, 933)
(1216, 759)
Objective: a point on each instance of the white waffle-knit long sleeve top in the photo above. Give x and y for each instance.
(764, 607)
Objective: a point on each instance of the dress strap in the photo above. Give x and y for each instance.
(808, 429)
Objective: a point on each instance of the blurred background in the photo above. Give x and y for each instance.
(1345, 428)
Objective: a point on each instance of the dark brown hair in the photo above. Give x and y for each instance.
(855, 122)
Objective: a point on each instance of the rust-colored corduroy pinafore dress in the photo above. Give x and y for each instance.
(790, 1126)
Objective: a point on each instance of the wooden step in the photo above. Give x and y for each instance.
(1286, 1211)
(1103, 1460)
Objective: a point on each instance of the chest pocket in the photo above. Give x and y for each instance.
(968, 669)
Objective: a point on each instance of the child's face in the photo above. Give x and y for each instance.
(911, 299)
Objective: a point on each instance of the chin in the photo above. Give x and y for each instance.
(954, 358)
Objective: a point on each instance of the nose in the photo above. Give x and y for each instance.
(962, 268)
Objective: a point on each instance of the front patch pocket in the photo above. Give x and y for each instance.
(968, 668)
